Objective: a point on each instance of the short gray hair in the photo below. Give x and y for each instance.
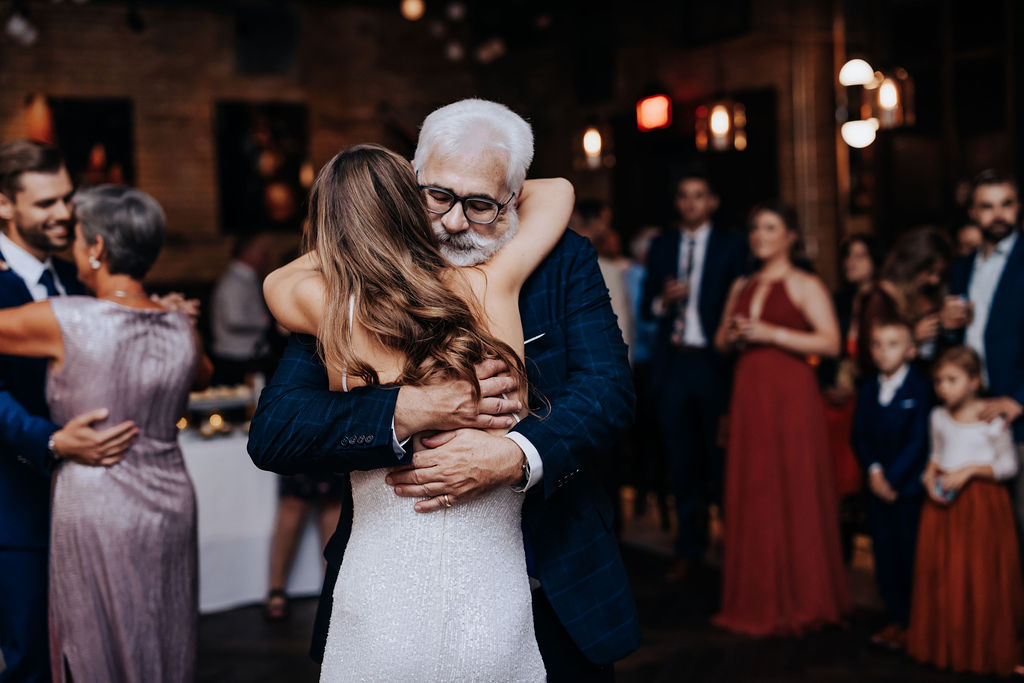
(130, 222)
(473, 126)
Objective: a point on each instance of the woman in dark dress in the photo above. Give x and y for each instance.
(123, 580)
(782, 571)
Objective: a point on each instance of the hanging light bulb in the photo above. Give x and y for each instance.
(412, 9)
(856, 72)
(653, 112)
(859, 134)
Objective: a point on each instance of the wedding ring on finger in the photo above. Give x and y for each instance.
(445, 500)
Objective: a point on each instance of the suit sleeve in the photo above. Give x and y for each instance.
(596, 402)
(912, 457)
(300, 426)
(25, 435)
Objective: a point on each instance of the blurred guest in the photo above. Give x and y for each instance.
(648, 458)
(986, 307)
(592, 218)
(35, 209)
(239, 318)
(123, 580)
(968, 238)
(689, 271)
(890, 436)
(782, 571)
(968, 603)
(859, 260)
(298, 494)
(908, 287)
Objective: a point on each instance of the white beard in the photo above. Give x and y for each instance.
(467, 248)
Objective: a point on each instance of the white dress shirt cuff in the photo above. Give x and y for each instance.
(876, 467)
(396, 445)
(532, 457)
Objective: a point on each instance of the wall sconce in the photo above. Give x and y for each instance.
(721, 126)
(592, 146)
(653, 112)
(890, 99)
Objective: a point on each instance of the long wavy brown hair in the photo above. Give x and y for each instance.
(373, 241)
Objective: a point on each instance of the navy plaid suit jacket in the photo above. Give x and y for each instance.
(577, 360)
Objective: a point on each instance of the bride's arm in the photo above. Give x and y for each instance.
(295, 295)
(31, 330)
(545, 207)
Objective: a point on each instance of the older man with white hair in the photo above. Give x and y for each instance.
(471, 161)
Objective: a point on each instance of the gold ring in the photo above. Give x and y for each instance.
(445, 500)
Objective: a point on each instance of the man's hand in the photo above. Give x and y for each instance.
(464, 464)
(79, 442)
(450, 405)
(881, 487)
(674, 291)
(1002, 406)
(955, 313)
(927, 328)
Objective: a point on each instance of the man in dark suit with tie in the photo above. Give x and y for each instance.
(689, 272)
(985, 309)
(584, 614)
(35, 209)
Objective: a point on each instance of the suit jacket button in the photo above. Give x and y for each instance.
(360, 439)
(346, 441)
(369, 438)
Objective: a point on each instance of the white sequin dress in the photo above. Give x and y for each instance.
(439, 596)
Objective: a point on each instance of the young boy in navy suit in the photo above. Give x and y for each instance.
(890, 439)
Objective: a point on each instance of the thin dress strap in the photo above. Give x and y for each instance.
(351, 313)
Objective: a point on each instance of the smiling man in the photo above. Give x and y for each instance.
(986, 308)
(35, 210)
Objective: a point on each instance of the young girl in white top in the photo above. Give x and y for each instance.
(968, 602)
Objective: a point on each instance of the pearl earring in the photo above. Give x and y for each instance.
(94, 263)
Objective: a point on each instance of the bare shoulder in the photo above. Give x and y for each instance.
(803, 285)
(738, 285)
(296, 298)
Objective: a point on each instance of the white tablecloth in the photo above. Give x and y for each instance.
(237, 504)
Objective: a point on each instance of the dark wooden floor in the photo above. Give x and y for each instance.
(678, 643)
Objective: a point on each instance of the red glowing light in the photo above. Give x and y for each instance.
(653, 112)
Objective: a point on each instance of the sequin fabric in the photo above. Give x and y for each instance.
(123, 572)
(439, 596)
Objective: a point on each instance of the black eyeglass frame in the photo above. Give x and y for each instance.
(456, 199)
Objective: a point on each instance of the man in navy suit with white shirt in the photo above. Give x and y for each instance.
(689, 272)
(35, 209)
(584, 615)
(985, 309)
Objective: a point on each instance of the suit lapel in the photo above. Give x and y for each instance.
(12, 287)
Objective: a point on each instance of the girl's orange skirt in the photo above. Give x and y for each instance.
(967, 610)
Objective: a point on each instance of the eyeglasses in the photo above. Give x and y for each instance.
(479, 210)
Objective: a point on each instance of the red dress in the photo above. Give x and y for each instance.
(782, 571)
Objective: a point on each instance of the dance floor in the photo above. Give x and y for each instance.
(678, 645)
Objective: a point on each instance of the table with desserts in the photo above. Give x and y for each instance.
(237, 504)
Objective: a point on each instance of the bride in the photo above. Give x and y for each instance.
(444, 595)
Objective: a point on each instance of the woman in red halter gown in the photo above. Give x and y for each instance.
(782, 572)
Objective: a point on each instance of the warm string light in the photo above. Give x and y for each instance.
(413, 9)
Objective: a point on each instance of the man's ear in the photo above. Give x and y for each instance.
(6, 208)
(714, 203)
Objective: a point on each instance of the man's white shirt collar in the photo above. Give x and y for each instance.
(27, 266)
(888, 386)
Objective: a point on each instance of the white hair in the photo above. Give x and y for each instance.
(474, 126)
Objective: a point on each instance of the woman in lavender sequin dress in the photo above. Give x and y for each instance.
(123, 567)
